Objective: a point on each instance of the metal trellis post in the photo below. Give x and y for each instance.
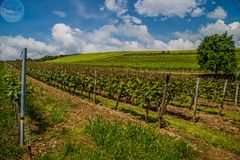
(23, 95)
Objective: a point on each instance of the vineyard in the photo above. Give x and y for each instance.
(164, 100)
(120, 80)
(141, 89)
(146, 90)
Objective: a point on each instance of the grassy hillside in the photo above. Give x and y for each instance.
(170, 60)
(144, 59)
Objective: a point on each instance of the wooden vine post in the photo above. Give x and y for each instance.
(162, 106)
(223, 97)
(95, 86)
(119, 93)
(236, 96)
(138, 68)
(118, 99)
(112, 67)
(195, 100)
(236, 93)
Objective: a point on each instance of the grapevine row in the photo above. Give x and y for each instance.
(142, 89)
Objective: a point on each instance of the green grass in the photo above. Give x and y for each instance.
(9, 146)
(211, 136)
(164, 61)
(133, 141)
(146, 59)
(231, 115)
(75, 152)
(123, 141)
(73, 143)
(47, 111)
(101, 139)
(173, 60)
(87, 57)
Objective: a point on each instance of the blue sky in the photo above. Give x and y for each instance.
(84, 26)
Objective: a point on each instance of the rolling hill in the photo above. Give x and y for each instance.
(167, 60)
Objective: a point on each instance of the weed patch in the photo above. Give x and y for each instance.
(132, 141)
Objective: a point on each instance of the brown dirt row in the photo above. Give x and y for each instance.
(209, 120)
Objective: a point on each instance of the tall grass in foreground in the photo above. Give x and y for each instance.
(132, 141)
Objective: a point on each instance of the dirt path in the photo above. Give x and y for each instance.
(216, 122)
(86, 110)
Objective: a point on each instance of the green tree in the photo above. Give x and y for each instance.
(217, 53)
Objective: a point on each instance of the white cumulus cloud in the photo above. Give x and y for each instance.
(219, 27)
(66, 38)
(197, 12)
(118, 6)
(11, 47)
(169, 8)
(131, 19)
(111, 37)
(181, 44)
(188, 35)
(218, 13)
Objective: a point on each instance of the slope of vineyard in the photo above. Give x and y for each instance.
(70, 140)
(143, 91)
(73, 131)
(167, 60)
